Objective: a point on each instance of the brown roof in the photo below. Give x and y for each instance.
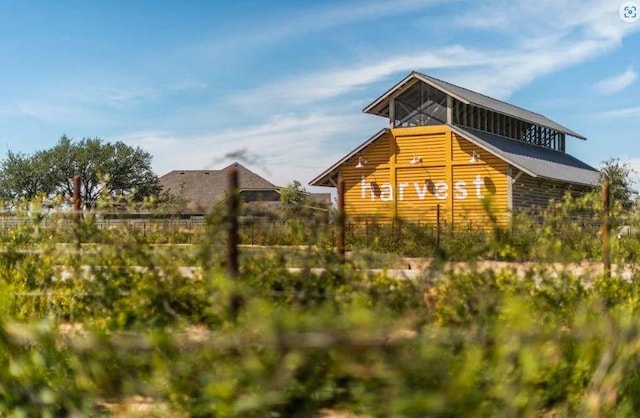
(204, 188)
(322, 199)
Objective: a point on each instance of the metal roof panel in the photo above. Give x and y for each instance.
(534, 160)
(469, 97)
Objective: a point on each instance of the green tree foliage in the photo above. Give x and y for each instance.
(24, 176)
(295, 198)
(105, 169)
(618, 174)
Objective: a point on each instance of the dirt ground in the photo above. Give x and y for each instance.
(585, 268)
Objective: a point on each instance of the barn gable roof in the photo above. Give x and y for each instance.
(380, 106)
(329, 174)
(534, 160)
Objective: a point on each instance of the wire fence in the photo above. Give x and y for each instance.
(423, 235)
(277, 230)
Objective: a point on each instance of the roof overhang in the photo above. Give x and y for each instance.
(326, 178)
(537, 162)
(378, 106)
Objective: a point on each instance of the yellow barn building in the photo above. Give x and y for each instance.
(454, 151)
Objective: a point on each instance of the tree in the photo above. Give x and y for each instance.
(22, 176)
(295, 198)
(105, 169)
(619, 175)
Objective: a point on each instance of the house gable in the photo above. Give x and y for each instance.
(202, 189)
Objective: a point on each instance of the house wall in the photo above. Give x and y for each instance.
(260, 195)
(391, 186)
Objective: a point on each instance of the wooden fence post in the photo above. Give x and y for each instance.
(77, 209)
(438, 225)
(606, 229)
(77, 201)
(341, 220)
(232, 223)
(366, 231)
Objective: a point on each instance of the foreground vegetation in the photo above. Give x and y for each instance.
(94, 319)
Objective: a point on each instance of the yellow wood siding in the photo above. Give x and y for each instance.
(462, 151)
(416, 197)
(367, 194)
(477, 189)
(428, 143)
(485, 184)
(417, 193)
(441, 174)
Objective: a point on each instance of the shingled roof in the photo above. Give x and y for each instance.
(204, 188)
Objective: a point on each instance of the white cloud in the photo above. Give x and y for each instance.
(83, 104)
(120, 94)
(321, 18)
(53, 113)
(616, 83)
(527, 21)
(539, 38)
(331, 83)
(550, 36)
(628, 112)
(312, 19)
(284, 148)
(635, 177)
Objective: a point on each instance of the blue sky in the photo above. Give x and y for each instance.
(286, 81)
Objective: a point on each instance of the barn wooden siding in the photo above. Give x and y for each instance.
(390, 186)
(531, 194)
(363, 202)
(486, 178)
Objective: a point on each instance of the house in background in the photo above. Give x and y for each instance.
(201, 190)
(453, 152)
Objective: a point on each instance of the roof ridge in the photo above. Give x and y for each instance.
(468, 97)
(508, 138)
(477, 92)
(192, 170)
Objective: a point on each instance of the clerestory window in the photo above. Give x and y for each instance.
(420, 105)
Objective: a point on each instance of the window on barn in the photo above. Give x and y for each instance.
(420, 105)
(499, 124)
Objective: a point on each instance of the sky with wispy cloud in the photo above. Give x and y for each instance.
(281, 85)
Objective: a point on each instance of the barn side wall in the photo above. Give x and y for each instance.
(409, 172)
